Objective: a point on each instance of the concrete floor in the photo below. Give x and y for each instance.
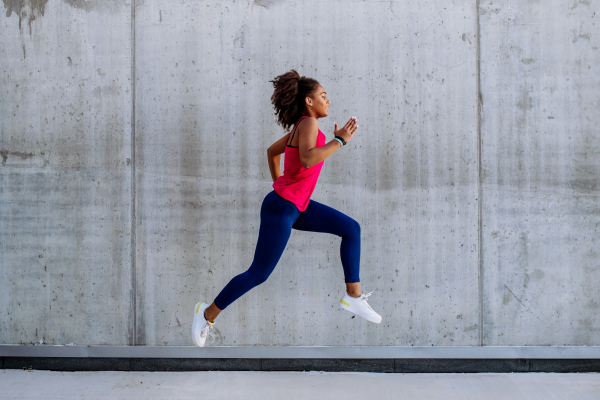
(20, 384)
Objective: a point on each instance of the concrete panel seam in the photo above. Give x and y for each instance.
(133, 301)
(479, 182)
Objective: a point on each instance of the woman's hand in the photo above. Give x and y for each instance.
(348, 131)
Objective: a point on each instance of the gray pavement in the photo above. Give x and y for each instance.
(33, 384)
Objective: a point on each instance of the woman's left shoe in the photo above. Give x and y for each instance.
(200, 326)
(360, 307)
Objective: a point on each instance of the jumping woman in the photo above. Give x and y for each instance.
(299, 102)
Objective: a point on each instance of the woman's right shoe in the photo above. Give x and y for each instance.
(360, 307)
(200, 326)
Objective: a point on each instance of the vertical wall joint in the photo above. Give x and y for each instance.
(480, 176)
(133, 300)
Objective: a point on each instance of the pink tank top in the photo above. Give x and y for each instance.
(297, 183)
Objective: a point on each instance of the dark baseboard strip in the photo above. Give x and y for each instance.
(405, 365)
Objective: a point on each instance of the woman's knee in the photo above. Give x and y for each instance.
(256, 277)
(353, 227)
(259, 279)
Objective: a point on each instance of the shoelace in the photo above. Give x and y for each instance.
(205, 330)
(364, 299)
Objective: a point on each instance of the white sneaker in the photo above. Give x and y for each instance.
(200, 326)
(360, 307)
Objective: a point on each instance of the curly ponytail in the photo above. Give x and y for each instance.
(288, 98)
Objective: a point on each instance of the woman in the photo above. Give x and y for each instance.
(298, 101)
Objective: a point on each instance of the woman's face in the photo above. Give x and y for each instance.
(319, 102)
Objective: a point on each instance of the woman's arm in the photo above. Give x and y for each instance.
(274, 165)
(311, 155)
(274, 157)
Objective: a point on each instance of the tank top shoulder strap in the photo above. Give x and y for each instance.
(294, 131)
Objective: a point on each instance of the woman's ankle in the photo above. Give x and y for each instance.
(211, 312)
(353, 289)
(208, 319)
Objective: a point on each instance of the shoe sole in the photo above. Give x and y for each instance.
(368, 318)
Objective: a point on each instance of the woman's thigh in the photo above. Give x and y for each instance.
(321, 218)
(277, 216)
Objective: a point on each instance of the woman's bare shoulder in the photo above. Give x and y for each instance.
(309, 124)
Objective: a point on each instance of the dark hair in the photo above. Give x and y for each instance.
(288, 98)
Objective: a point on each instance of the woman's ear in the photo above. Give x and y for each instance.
(308, 101)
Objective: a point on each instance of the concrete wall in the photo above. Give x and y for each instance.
(65, 177)
(133, 141)
(540, 163)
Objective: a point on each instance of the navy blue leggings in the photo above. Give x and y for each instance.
(277, 218)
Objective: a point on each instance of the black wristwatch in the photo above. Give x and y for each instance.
(342, 139)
